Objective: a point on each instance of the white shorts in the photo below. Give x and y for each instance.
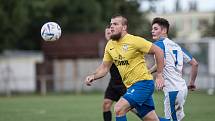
(173, 104)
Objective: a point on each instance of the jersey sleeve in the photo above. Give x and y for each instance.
(107, 56)
(187, 57)
(161, 45)
(143, 45)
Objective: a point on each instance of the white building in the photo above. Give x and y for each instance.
(17, 71)
(189, 25)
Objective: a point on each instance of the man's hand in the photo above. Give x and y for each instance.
(159, 81)
(89, 79)
(192, 87)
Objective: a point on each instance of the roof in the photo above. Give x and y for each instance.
(70, 46)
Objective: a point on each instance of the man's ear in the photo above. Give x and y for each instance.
(164, 30)
(125, 28)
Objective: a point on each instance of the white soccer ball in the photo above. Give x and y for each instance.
(50, 31)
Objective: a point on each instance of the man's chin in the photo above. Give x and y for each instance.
(115, 37)
(154, 38)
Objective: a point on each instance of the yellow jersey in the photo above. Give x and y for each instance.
(128, 55)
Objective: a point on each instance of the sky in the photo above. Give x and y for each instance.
(202, 5)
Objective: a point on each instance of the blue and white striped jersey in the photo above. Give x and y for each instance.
(174, 56)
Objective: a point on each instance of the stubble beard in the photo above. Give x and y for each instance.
(116, 36)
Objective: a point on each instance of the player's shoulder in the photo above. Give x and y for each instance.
(167, 40)
(109, 44)
(136, 39)
(160, 42)
(170, 43)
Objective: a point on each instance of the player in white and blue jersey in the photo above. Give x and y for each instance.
(175, 88)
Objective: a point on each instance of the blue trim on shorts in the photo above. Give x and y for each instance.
(139, 96)
(121, 118)
(172, 98)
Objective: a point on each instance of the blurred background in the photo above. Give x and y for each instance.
(28, 64)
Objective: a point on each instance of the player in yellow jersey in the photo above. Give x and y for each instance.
(127, 52)
(115, 88)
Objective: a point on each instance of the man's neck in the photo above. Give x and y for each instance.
(164, 36)
(123, 34)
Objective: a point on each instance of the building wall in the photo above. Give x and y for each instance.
(17, 71)
(69, 75)
(189, 25)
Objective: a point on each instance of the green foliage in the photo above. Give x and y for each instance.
(13, 19)
(21, 20)
(138, 24)
(209, 32)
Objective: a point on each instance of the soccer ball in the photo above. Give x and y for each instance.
(50, 31)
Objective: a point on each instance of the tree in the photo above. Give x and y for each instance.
(21, 20)
(13, 20)
(138, 24)
(209, 31)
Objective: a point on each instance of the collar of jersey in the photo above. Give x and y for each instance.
(120, 40)
(161, 39)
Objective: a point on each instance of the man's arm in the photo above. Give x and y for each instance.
(194, 71)
(159, 57)
(100, 72)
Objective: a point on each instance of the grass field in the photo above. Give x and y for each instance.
(87, 107)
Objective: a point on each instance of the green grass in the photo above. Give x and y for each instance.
(87, 107)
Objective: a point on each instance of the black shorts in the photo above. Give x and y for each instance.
(114, 92)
